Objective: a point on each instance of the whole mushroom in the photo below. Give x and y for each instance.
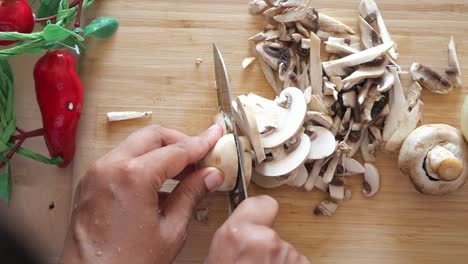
(224, 157)
(434, 157)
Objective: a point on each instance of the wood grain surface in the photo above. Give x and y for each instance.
(150, 66)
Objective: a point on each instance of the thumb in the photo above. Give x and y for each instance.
(181, 202)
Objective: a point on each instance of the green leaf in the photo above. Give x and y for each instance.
(47, 8)
(54, 32)
(5, 180)
(102, 28)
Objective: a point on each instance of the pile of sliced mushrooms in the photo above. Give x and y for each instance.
(339, 93)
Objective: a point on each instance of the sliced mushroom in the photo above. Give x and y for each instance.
(370, 11)
(369, 37)
(365, 72)
(270, 53)
(330, 89)
(408, 121)
(292, 15)
(257, 6)
(321, 185)
(291, 3)
(388, 80)
(397, 102)
(339, 48)
(287, 119)
(371, 180)
(341, 67)
(413, 95)
(301, 177)
(315, 65)
(224, 157)
(454, 71)
(318, 118)
(317, 104)
(322, 142)
(331, 168)
(326, 208)
(246, 109)
(430, 79)
(314, 175)
(270, 76)
(272, 182)
(337, 192)
(283, 162)
(272, 11)
(258, 37)
(365, 152)
(352, 167)
(441, 147)
(329, 24)
(247, 62)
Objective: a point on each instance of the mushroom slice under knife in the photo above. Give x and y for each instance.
(246, 109)
(430, 79)
(441, 148)
(287, 119)
(454, 70)
(282, 162)
(341, 66)
(322, 142)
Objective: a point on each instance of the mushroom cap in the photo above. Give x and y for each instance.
(223, 156)
(284, 163)
(413, 156)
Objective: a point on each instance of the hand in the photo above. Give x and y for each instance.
(247, 237)
(119, 215)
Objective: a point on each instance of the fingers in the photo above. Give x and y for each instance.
(167, 162)
(146, 140)
(259, 210)
(181, 202)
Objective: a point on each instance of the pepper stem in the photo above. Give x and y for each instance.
(54, 17)
(24, 135)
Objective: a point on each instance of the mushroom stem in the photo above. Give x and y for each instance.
(444, 163)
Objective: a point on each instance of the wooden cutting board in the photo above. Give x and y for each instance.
(150, 66)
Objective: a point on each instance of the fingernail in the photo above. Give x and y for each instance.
(214, 179)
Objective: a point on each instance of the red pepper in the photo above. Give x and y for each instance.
(15, 16)
(59, 93)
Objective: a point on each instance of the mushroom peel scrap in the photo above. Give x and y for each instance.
(434, 157)
(224, 157)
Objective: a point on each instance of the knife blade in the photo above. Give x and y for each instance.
(223, 90)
